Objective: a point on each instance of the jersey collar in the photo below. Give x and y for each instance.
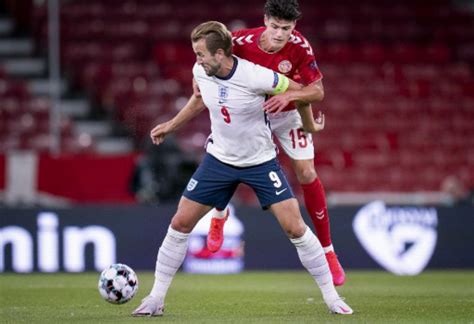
(231, 73)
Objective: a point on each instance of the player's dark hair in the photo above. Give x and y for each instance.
(216, 35)
(282, 9)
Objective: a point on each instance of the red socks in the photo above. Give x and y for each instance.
(315, 201)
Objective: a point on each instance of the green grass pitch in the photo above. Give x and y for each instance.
(250, 297)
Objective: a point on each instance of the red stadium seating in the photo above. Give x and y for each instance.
(398, 76)
(24, 120)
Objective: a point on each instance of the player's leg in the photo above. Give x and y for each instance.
(215, 236)
(315, 202)
(173, 249)
(273, 191)
(310, 252)
(211, 185)
(171, 255)
(298, 145)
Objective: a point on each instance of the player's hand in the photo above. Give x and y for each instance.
(317, 125)
(159, 132)
(276, 103)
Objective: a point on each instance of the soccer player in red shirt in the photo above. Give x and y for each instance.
(278, 46)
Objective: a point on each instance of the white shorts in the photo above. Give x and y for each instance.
(287, 127)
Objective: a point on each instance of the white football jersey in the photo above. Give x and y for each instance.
(240, 130)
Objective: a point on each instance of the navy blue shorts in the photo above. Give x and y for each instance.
(214, 183)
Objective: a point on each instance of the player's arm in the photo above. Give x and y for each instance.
(192, 108)
(304, 108)
(313, 92)
(310, 124)
(285, 85)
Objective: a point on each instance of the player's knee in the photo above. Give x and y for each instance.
(296, 229)
(178, 224)
(306, 174)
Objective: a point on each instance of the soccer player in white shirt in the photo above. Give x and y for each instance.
(280, 47)
(234, 92)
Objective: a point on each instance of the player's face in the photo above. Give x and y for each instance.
(278, 31)
(204, 58)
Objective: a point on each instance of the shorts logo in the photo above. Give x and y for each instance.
(279, 192)
(192, 184)
(285, 66)
(401, 239)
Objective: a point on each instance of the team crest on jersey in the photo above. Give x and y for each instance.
(223, 93)
(192, 184)
(313, 66)
(285, 66)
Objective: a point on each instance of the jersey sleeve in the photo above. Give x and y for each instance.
(198, 73)
(308, 69)
(195, 71)
(266, 81)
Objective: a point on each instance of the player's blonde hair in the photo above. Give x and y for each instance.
(216, 35)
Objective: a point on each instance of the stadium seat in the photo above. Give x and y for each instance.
(398, 79)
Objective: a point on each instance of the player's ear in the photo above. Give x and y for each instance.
(266, 20)
(220, 52)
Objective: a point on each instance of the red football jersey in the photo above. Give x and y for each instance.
(296, 59)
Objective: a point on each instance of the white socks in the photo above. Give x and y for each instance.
(173, 251)
(312, 257)
(170, 257)
(328, 248)
(219, 213)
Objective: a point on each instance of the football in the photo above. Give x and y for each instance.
(118, 283)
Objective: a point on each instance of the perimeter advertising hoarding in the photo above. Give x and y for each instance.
(365, 237)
